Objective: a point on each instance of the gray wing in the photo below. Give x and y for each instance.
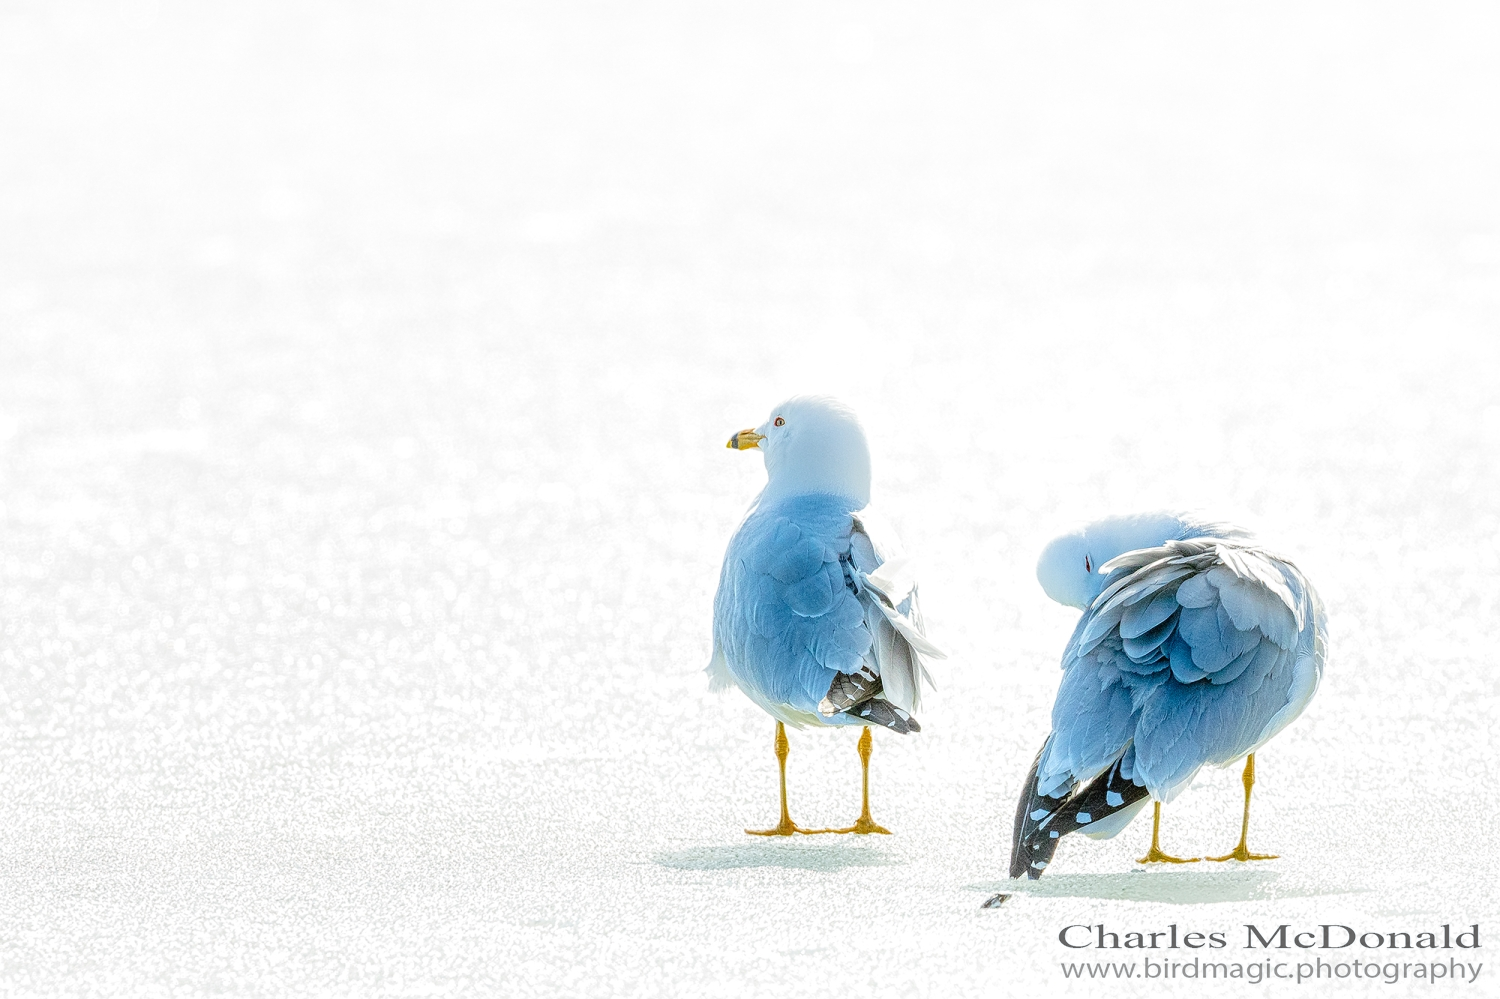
(893, 617)
(1195, 653)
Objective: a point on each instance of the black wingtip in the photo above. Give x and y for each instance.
(1021, 854)
(1042, 821)
(878, 712)
(1031, 858)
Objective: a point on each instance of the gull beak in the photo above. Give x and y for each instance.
(745, 440)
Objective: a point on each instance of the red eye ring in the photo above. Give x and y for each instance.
(1088, 564)
(780, 422)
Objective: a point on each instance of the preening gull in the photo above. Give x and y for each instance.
(816, 616)
(1195, 647)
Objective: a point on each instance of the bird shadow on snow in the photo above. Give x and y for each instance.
(798, 856)
(1176, 887)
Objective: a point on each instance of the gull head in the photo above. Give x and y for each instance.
(811, 444)
(1070, 568)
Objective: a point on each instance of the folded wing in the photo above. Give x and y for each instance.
(1188, 657)
(886, 586)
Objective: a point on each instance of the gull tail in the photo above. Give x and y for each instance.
(1098, 808)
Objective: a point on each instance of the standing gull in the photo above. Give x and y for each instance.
(816, 618)
(1195, 647)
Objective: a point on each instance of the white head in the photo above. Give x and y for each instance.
(811, 444)
(1069, 567)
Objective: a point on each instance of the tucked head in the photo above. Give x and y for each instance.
(811, 444)
(1069, 567)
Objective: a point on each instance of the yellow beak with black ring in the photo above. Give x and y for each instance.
(745, 440)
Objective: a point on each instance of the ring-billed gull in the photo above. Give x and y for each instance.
(816, 616)
(1195, 647)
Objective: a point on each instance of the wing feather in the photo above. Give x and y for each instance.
(887, 589)
(1142, 617)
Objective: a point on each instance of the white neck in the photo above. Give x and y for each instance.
(845, 475)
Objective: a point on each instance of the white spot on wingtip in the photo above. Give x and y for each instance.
(1040, 813)
(1085, 817)
(1114, 798)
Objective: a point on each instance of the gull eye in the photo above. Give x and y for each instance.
(780, 422)
(1088, 564)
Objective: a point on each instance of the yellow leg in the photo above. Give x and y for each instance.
(865, 824)
(1242, 852)
(1155, 854)
(786, 826)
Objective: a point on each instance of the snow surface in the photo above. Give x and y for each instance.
(365, 372)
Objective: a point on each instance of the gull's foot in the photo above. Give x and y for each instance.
(1155, 856)
(863, 826)
(1241, 852)
(787, 828)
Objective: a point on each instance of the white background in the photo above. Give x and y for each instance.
(365, 372)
